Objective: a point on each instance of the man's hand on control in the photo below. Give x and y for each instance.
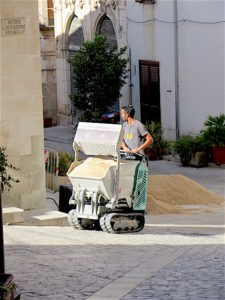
(127, 150)
(134, 151)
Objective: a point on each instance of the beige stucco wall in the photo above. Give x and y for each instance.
(21, 111)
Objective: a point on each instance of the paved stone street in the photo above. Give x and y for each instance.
(162, 262)
(175, 257)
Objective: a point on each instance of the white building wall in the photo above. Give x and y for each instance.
(201, 59)
(201, 56)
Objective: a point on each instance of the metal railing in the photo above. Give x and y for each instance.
(51, 168)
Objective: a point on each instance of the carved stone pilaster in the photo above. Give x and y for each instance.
(96, 4)
(81, 3)
(57, 5)
(105, 3)
(69, 4)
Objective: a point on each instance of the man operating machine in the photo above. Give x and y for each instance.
(109, 187)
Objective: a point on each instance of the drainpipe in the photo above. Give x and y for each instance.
(176, 56)
(130, 79)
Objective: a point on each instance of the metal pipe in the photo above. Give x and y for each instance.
(130, 83)
(2, 257)
(176, 57)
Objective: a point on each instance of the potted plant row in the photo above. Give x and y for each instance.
(196, 150)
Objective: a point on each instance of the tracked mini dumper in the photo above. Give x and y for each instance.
(110, 186)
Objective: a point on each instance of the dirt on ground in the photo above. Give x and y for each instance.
(171, 193)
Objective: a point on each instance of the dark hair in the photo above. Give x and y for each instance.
(129, 110)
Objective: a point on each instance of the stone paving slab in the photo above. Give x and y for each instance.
(51, 218)
(12, 215)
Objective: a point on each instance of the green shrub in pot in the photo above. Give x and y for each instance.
(214, 133)
(160, 145)
(186, 146)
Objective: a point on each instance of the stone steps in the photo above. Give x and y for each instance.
(12, 215)
(51, 218)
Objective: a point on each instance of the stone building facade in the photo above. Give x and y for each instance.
(21, 110)
(170, 45)
(75, 22)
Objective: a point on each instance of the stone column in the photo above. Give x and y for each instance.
(21, 111)
(64, 115)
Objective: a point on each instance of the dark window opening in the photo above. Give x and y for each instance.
(149, 91)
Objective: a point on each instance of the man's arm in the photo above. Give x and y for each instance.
(146, 144)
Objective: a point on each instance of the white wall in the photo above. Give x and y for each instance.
(201, 59)
(201, 55)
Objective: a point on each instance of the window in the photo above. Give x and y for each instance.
(105, 27)
(149, 91)
(75, 41)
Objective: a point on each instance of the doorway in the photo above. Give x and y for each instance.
(149, 91)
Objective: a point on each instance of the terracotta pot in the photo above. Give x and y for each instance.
(47, 122)
(218, 155)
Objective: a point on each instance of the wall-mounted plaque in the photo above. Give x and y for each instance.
(13, 26)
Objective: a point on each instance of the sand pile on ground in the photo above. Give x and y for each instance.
(167, 194)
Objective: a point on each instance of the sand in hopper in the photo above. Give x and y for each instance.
(93, 168)
(167, 192)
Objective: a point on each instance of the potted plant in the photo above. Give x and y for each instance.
(160, 146)
(199, 155)
(191, 151)
(214, 137)
(8, 289)
(65, 161)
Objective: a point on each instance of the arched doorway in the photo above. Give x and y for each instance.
(105, 27)
(75, 41)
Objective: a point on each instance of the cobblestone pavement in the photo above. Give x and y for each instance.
(158, 263)
(197, 274)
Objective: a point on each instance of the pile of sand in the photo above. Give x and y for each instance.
(167, 194)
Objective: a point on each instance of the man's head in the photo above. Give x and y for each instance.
(127, 112)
